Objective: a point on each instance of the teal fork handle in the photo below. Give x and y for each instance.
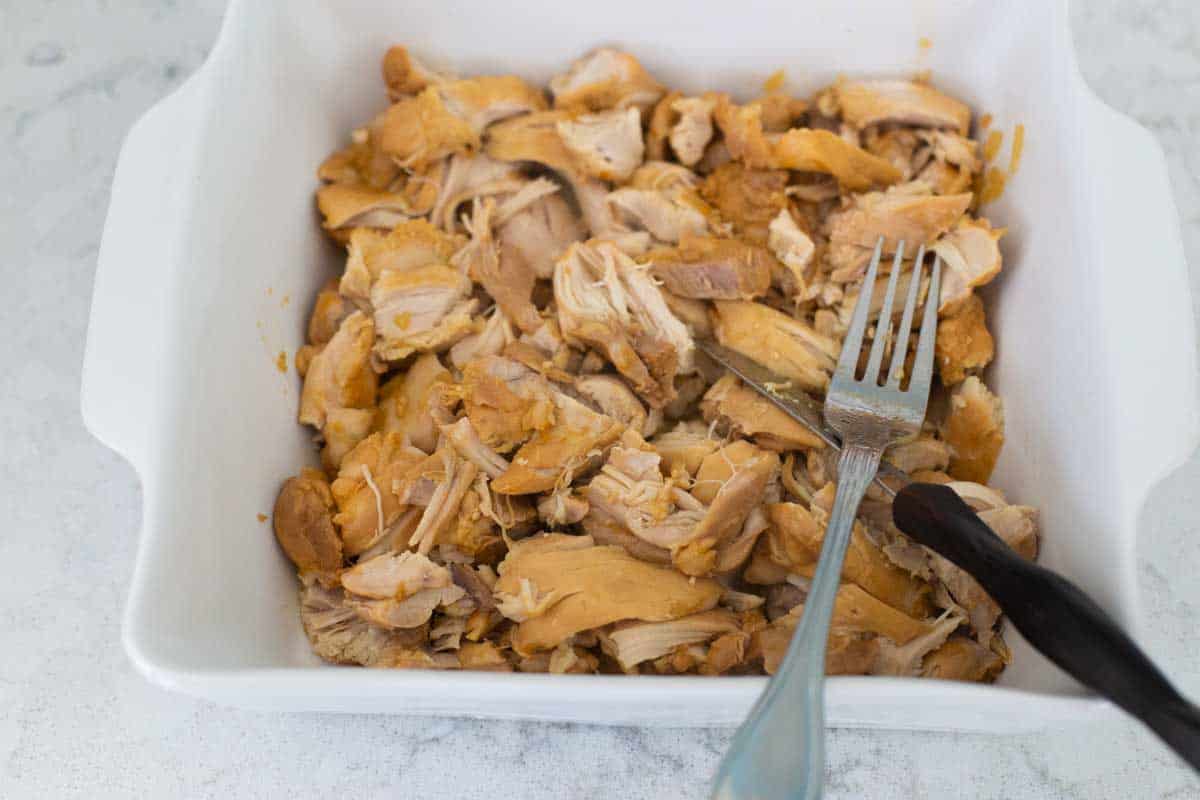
(779, 752)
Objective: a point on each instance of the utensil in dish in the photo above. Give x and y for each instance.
(1053, 614)
(780, 750)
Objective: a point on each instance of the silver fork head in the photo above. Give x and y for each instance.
(867, 407)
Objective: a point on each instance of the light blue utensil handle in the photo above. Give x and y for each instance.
(779, 752)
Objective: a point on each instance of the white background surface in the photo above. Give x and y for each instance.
(74, 718)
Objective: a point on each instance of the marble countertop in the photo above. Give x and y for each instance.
(75, 719)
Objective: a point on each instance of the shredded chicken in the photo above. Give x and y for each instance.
(527, 467)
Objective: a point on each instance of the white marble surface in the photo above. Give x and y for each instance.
(76, 720)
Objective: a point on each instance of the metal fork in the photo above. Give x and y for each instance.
(779, 752)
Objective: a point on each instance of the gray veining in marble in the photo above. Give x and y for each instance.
(75, 720)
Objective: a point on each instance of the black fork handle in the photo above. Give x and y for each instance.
(1053, 614)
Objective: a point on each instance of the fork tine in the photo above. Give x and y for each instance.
(923, 364)
(883, 324)
(900, 348)
(848, 361)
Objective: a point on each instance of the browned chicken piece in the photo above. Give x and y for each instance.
(964, 345)
(900, 147)
(449, 117)
(421, 310)
(535, 138)
(974, 429)
(592, 586)
(607, 145)
(472, 533)
(906, 213)
(539, 234)
(363, 163)
(367, 505)
(339, 634)
(611, 396)
(906, 660)
(340, 375)
(607, 301)
(962, 658)
(465, 441)
(744, 412)
(328, 312)
(860, 624)
(690, 135)
(344, 428)
(735, 551)
(744, 137)
(631, 643)
(346, 207)
(550, 458)
(794, 249)
(661, 199)
(408, 246)
(952, 162)
(1016, 525)
(471, 176)
(658, 130)
(561, 508)
(630, 490)
(783, 344)
(795, 539)
(706, 268)
(732, 482)
(919, 454)
(864, 103)
(483, 656)
(420, 129)
(490, 339)
(395, 576)
(970, 258)
(403, 74)
(746, 198)
(457, 478)
(413, 403)
(506, 401)
(684, 448)
(814, 150)
(604, 79)
(411, 612)
(508, 281)
(303, 522)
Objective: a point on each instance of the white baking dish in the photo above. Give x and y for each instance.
(211, 257)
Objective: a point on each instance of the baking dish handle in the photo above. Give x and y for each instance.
(1137, 252)
(123, 360)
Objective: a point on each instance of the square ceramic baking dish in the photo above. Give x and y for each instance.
(211, 257)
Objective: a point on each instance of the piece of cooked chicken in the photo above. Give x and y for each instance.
(604, 79)
(631, 643)
(964, 346)
(552, 456)
(974, 429)
(367, 505)
(794, 249)
(348, 207)
(864, 103)
(338, 633)
(328, 312)
(684, 447)
(746, 198)
(693, 131)
(744, 412)
(905, 213)
(970, 258)
(585, 586)
(607, 301)
(421, 310)
(508, 280)
(410, 245)
(711, 268)
(404, 74)
(303, 523)
(340, 379)
(471, 176)
(630, 490)
(607, 145)
(962, 658)
(797, 535)
(783, 344)
(539, 234)
(506, 401)
(611, 396)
